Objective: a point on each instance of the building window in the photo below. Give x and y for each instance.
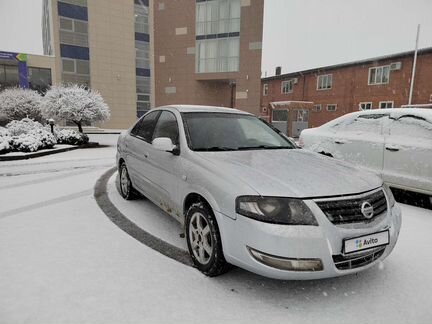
(39, 79)
(73, 25)
(218, 55)
(142, 54)
(379, 75)
(365, 105)
(8, 76)
(331, 107)
(324, 82)
(287, 86)
(317, 108)
(386, 104)
(217, 17)
(141, 19)
(76, 66)
(217, 36)
(265, 89)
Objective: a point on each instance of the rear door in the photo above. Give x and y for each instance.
(408, 153)
(361, 141)
(138, 145)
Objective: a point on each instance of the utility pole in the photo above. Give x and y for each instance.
(414, 66)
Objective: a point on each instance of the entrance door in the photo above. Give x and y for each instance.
(280, 120)
(300, 122)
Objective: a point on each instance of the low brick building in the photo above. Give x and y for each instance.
(313, 97)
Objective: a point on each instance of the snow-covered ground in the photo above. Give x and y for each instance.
(63, 261)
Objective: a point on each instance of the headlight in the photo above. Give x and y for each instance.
(389, 195)
(275, 210)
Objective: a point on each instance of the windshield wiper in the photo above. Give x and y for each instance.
(215, 148)
(263, 147)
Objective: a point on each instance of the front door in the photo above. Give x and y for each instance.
(408, 153)
(280, 120)
(166, 167)
(300, 122)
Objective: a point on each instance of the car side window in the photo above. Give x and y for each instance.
(144, 128)
(167, 127)
(367, 123)
(412, 126)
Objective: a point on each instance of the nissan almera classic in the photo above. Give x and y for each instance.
(247, 196)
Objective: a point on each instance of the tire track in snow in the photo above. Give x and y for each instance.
(77, 171)
(45, 203)
(153, 242)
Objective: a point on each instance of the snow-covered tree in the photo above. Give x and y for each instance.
(74, 103)
(17, 103)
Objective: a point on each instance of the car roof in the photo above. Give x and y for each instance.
(199, 108)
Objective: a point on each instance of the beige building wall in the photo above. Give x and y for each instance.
(47, 62)
(111, 32)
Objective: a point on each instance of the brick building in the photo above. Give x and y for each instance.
(313, 97)
(208, 52)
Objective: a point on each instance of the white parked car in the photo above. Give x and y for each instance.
(248, 197)
(394, 143)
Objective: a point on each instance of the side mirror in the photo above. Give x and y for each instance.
(165, 144)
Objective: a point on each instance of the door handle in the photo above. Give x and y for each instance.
(392, 148)
(338, 141)
(146, 155)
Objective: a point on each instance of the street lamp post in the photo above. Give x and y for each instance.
(51, 122)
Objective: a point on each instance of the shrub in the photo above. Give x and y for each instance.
(71, 137)
(26, 143)
(17, 103)
(24, 126)
(5, 141)
(29, 136)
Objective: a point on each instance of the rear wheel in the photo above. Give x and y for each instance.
(204, 242)
(127, 191)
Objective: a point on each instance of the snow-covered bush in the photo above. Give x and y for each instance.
(74, 103)
(29, 136)
(71, 137)
(23, 126)
(5, 141)
(17, 103)
(26, 143)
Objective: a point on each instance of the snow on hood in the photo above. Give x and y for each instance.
(292, 173)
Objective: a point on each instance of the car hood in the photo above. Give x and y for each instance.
(292, 173)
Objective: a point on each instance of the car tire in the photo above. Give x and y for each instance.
(127, 191)
(204, 241)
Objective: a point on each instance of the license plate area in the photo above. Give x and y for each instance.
(366, 242)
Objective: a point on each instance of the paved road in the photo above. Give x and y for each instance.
(63, 261)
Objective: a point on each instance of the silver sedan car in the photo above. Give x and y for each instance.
(247, 196)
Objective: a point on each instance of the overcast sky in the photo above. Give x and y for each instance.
(298, 34)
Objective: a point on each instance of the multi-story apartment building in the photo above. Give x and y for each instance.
(310, 98)
(144, 53)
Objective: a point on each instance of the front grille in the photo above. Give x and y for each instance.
(347, 210)
(343, 262)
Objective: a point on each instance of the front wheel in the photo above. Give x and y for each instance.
(203, 240)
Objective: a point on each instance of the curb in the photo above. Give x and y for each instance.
(36, 154)
(129, 227)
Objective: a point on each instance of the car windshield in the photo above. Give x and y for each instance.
(229, 132)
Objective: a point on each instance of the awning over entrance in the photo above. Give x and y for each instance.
(291, 104)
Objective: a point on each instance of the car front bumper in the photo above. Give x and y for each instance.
(287, 246)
